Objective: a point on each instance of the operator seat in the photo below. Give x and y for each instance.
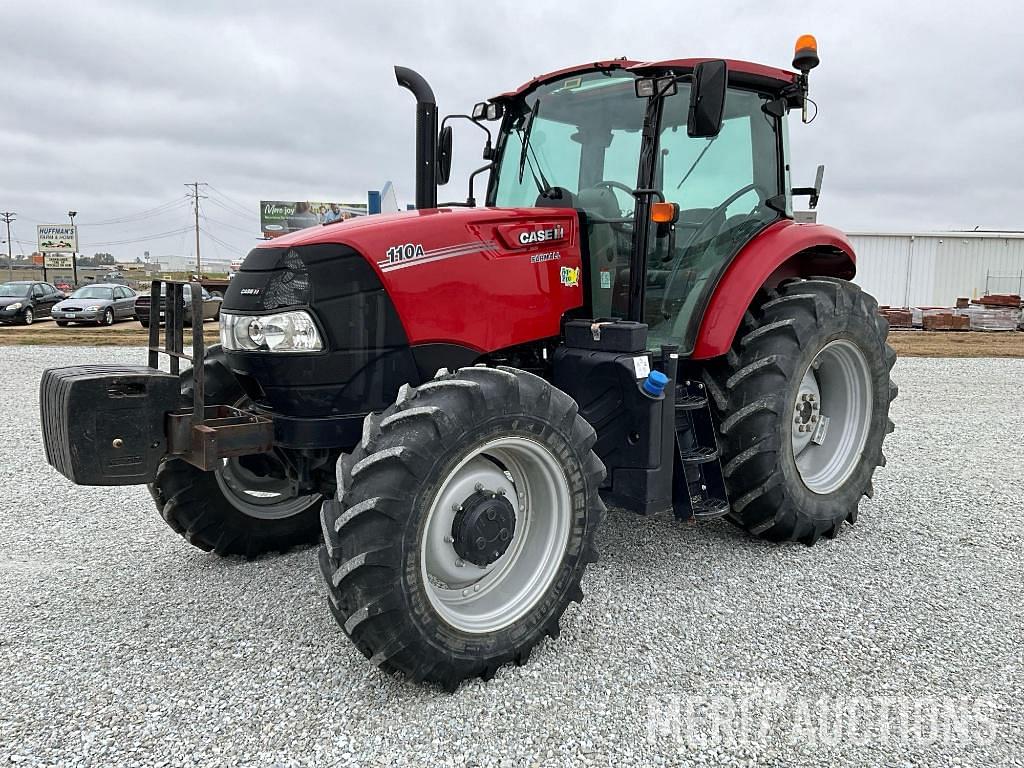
(600, 203)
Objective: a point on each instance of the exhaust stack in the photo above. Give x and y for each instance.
(426, 135)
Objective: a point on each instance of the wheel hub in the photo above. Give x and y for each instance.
(483, 527)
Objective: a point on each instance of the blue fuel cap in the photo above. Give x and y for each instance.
(655, 383)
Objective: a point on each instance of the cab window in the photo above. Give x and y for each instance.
(722, 186)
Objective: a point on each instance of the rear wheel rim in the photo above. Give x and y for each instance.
(483, 599)
(831, 416)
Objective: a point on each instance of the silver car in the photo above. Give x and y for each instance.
(98, 304)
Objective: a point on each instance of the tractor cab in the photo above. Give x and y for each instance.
(674, 167)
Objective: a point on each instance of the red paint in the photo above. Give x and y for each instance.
(783, 76)
(487, 299)
(769, 254)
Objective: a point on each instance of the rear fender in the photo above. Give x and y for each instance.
(783, 250)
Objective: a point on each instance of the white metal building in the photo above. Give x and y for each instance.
(932, 269)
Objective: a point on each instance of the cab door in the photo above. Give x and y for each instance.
(723, 186)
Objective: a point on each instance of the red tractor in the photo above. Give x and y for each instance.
(451, 395)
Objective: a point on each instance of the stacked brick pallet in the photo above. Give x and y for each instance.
(995, 312)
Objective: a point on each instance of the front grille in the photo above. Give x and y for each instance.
(70, 309)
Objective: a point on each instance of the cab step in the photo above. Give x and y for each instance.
(698, 482)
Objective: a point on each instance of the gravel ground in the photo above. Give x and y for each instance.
(119, 644)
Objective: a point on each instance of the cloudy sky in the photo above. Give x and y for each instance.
(110, 108)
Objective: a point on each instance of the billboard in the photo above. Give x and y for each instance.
(58, 261)
(57, 238)
(279, 217)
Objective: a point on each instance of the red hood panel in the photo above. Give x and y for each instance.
(469, 276)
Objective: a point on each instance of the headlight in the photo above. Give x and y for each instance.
(283, 332)
(15, 306)
(93, 308)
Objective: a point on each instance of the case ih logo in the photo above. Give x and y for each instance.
(518, 236)
(556, 232)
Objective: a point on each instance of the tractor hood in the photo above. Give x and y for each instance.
(395, 298)
(482, 278)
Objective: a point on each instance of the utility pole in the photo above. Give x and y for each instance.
(74, 254)
(8, 217)
(194, 194)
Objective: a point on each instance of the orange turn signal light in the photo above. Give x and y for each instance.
(665, 213)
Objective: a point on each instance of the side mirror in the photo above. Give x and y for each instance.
(707, 99)
(444, 155)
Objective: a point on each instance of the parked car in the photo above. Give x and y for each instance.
(211, 306)
(99, 303)
(63, 284)
(25, 301)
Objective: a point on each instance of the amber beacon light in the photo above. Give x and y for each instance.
(805, 56)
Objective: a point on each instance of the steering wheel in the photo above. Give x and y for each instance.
(718, 213)
(613, 185)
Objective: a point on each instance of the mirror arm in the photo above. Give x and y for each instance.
(470, 200)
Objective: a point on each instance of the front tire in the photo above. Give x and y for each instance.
(108, 317)
(466, 518)
(29, 317)
(242, 508)
(802, 405)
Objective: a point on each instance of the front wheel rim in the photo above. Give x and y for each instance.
(108, 317)
(831, 416)
(481, 599)
(260, 496)
(29, 317)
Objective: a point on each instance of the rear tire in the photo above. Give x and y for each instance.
(144, 323)
(815, 349)
(400, 584)
(215, 511)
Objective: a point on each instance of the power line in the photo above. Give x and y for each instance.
(220, 242)
(149, 213)
(226, 224)
(144, 238)
(234, 203)
(234, 211)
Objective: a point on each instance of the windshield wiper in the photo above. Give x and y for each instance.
(692, 167)
(524, 134)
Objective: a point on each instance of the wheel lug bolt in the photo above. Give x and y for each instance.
(459, 563)
(465, 592)
(814, 418)
(501, 491)
(456, 507)
(476, 587)
(449, 540)
(478, 487)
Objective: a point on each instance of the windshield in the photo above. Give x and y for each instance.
(582, 146)
(93, 292)
(14, 289)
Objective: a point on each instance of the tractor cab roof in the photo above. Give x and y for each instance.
(740, 73)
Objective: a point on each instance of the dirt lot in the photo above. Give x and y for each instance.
(127, 334)
(906, 343)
